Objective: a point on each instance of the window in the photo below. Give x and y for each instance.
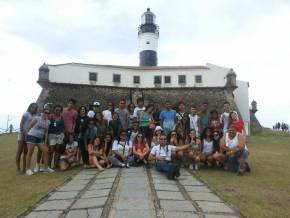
(93, 76)
(181, 79)
(116, 78)
(167, 79)
(157, 80)
(136, 79)
(147, 42)
(198, 79)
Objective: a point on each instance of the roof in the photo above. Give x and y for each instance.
(135, 67)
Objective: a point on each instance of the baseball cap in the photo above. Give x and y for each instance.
(158, 128)
(96, 103)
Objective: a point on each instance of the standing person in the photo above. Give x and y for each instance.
(108, 113)
(181, 111)
(161, 154)
(37, 135)
(69, 159)
(168, 118)
(194, 120)
(130, 109)
(183, 128)
(55, 135)
(80, 128)
(214, 121)
(145, 122)
(69, 115)
(95, 108)
(122, 151)
(115, 126)
(123, 113)
(140, 107)
(140, 149)
(97, 153)
(207, 147)
(156, 113)
(133, 132)
(204, 116)
(26, 118)
(90, 132)
(234, 151)
(239, 124)
(194, 150)
(101, 124)
(225, 117)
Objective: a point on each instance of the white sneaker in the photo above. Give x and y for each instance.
(190, 166)
(48, 170)
(29, 172)
(36, 168)
(196, 166)
(127, 165)
(41, 169)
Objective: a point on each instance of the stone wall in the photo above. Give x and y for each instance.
(84, 94)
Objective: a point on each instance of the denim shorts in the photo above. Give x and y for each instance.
(243, 154)
(34, 140)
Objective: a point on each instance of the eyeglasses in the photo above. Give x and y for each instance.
(162, 139)
(173, 134)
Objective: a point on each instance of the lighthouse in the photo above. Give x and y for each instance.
(148, 35)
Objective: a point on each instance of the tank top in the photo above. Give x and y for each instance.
(207, 146)
(194, 145)
(231, 143)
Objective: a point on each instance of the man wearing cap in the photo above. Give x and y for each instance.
(95, 109)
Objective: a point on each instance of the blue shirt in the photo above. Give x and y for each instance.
(168, 118)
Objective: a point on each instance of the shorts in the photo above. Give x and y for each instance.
(55, 139)
(34, 140)
(21, 137)
(207, 153)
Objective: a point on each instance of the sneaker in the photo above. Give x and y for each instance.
(127, 165)
(123, 165)
(196, 167)
(29, 172)
(241, 172)
(190, 166)
(41, 169)
(248, 169)
(36, 168)
(48, 170)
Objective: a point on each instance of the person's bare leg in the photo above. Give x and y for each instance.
(44, 150)
(29, 155)
(18, 156)
(95, 163)
(51, 152)
(56, 156)
(24, 156)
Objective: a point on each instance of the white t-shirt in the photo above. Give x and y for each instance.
(165, 151)
(71, 147)
(137, 112)
(193, 122)
(207, 147)
(133, 136)
(91, 114)
(107, 115)
(225, 117)
(122, 148)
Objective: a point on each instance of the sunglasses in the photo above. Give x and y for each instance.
(46, 112)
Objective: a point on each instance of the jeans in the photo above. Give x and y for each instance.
(163, 165)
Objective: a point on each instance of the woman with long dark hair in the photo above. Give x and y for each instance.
(140, 149)
(97, 154)
(207, 147)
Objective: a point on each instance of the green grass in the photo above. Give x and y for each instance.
(265, 192)
(19, 192)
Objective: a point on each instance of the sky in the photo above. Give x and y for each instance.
(250, 36)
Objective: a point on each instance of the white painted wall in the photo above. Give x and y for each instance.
(212, 75)
(152, 38)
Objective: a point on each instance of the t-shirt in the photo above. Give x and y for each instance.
(144, 119)
(26, 119)
(123, 117)
(122, 147)
(165, 151)
(90, 134)
(137, 112)
(168, 118)
(204, 118)
(38, 130)
(107, 115)
(69, 117)
(56, 126)
(225, 117)
(180, 115)
(193, 122)
(91, 114)
(240, 126)
(71, 147)
(133, 136)
(207, 146)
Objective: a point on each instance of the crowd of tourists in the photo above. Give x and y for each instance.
(131, 135)
(281, 126)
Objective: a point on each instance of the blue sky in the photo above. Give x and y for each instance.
(252, 37)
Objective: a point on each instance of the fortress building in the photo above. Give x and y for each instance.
(192, 84)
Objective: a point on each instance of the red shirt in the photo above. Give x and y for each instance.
(139, 146)
(240, 126)
(69, 117)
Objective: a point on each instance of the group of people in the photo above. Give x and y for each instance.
(284, 127)
(129, 135)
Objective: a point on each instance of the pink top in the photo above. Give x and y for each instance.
(69, 117)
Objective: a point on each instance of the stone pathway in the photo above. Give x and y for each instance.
(131, 193)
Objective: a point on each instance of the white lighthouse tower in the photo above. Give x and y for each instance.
(148, 35)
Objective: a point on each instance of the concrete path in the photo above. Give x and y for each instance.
(131, 193)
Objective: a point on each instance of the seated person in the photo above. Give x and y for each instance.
(140, 149)
(207, 147)
(194, 150)
(70, 158)
(122, 152)
(234, 151)
(161, 154)
(97, 153)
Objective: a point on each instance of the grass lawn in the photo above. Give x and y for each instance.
(265, 192)
(19, 192)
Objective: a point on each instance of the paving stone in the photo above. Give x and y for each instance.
(191, 188)
(133, 180)
(169, 205)
(88, 172)
(95, 213)
(170, 195)
(164, 181)
(127, 193)
(77, 214)
(172, 214)
(105, 176)
(133, 204)
(219, 216)
(166, 187)
(89, 202)
(104, 180)
(71, 188)
(44, 214)
(54, 205)
(132, 214)
(204, 196)
(190, 182)
(96, 193)
(136, 186)
(78, 182)
(101, 186)
(63, 195)
(214, 207)
(84, 176)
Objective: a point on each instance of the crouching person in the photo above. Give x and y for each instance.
(161, 154)
(97, 154)
(140, 149)
(70, 158)
(122, 152)
(234, 152)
